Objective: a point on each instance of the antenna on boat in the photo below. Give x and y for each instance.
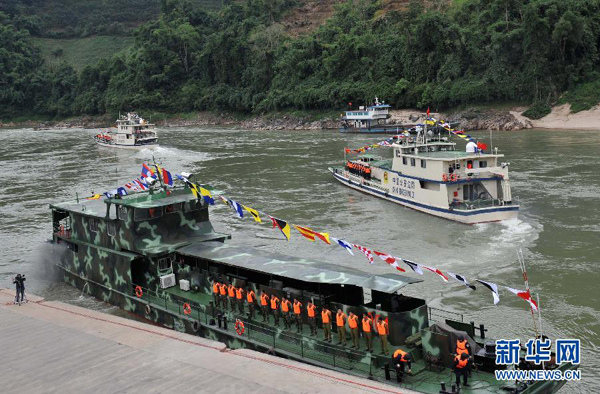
(526, 280)
(162, 185)
(491, 142)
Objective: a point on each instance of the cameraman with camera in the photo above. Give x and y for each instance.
(19, 282)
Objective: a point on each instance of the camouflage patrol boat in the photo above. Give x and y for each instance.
(156, 254)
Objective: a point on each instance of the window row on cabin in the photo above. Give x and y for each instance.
(141, 214)
(413, 162)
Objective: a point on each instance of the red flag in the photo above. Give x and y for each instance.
(436, 271)
(428, 112)
(526, 295)
(348, 150)
(391, 260)
(482, 146)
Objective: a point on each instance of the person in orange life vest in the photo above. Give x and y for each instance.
(231, 295)
(286, 305)
(461, 367)
(326, 318)
(264, 305)
(239, 296)
(311, 310)
(275, 308)
(401, 360)
(353, 324)
(216, 287)
(250, 299)
(223, 294)
(367, 325)
(298, 315)
(368, 172)
(462, 346)
(340, 322)
(383, 331)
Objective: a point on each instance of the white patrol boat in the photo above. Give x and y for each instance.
(371, 119)
(428, 174)
(132, 132)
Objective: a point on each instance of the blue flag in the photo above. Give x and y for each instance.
(122, 191)
(237, 207)
(344, 245)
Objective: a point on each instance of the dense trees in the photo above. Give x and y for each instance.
(241, 59)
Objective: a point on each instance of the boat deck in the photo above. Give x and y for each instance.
(316, 351)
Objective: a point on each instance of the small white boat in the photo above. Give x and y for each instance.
(132, 132)
(428, 174)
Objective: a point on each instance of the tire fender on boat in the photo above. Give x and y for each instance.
(148, 309)
(196, 326)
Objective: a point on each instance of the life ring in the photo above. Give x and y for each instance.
(187, 309)
(453, 177)
(445, 177)
(239, 327)
(138, 292)
(148, 309)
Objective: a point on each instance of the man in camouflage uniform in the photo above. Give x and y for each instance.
(275, 308)
(286, 306)
(251, 299)
(216, 286)
(239, 296)
(311, 310)
(298, 315)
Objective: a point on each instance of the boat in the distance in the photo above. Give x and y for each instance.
(132, 132)
(429, 174)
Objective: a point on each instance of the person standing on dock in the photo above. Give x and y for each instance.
(340, 320)
(20, 286)
(251, 299)
(231, 295)
(223, 295)
(383, 331)
(298, 315)
(326, 318)
(275, 308)
(264, 305)
(353, 324)
(286, 305)
(239, 296)
(216, 288)
(367, 324)
(311, 310)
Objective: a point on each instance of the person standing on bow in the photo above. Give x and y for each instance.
(20, 286)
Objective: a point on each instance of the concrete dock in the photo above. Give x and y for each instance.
(52, 347)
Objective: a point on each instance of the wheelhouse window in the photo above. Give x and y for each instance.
(423, 163)
(122, 212)
(483, 164)
(194, 205)
(172, 208)
(413, 162)
(165, 263)
(404, 161)
(93, 225)
(111, 229)
(147, 213)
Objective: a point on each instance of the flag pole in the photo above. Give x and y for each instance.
(540, 317)
(526, 280)
(162, 185)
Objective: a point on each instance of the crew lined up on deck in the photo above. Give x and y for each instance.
(291, 310)
(359, 169)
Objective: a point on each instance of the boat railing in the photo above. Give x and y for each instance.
(436, 314)
(304, 347)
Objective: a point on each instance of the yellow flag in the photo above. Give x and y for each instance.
(254, 213)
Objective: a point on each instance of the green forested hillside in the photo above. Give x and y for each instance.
(81, 52)
(240, 59)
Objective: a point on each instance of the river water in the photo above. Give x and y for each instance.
(284, 173)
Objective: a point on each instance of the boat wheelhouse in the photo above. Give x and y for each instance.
(156, 254)
(429, 174)
(132, 132)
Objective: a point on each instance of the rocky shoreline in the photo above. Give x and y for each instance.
(469, 119)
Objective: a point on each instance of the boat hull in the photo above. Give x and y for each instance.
(473, 216)
(131, 147)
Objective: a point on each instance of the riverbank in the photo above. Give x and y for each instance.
(471, 118)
